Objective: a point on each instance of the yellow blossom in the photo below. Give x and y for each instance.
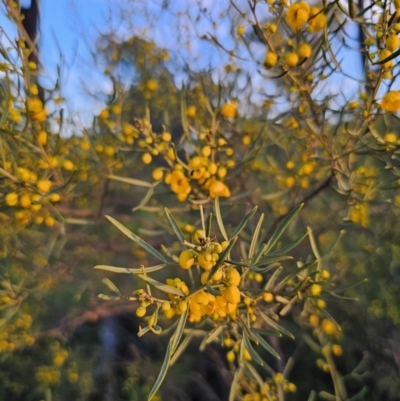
(218, 188)
(304, 50)
(270, 60)
(229, 110)
(316, 22)
(391, 101)
(297, 14)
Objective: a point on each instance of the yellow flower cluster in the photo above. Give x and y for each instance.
(201, 169)
(204, 303)
(298, 14)
(391, 101)
(48, 375)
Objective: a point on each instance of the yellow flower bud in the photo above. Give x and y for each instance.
(267, 297)
(11, 199)
(291, 59)
(383, 54)
(49, 221)
(203, 262)
(43, 185)
(392, 42)
(68, 165)
(315, 290)
(25, 201)
(232, 294)
(231, 356)
(232, 277)
(157, 174)
(140, 311)
(270, 60)
(146, 158)
(304, 50)
(186, 259)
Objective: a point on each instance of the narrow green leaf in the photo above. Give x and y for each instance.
(312, 396)
(208, 338)
(313, 244)
(214, 334)
(176, 337)
(161, 286)
(209, 225)
(285, 310)
(266, 346)
(254, 356)
(294, 273)
(342, 297)
(349, 285)
(132, 181)
(182, 347)
(264, 269)
(312, 344)
(352, 9)
(327, 396)
(144, 200)
(289, 247)
(256, 235)
(246, 329)
(280, 230)
(265, 332)
(244, 221)
(111, 286)
(235, 381)
(259, 253)
(174, 225)
(127, 270)
(273, 278)
(273, 259)
(212, 291)
(222, 258)
(108, 297)
(163, 372)
(136, 238)
(219, 218)
(275, 325)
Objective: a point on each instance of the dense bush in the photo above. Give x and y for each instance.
(259, 197)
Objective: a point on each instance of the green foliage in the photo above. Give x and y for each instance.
(178, 171)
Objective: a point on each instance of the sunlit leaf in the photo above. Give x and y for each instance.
(254, 356)
(132, 181)
(256, 235)
(163, 372)
(136, 238)
(294, 273)
(219, 218)
(144, 200)
(275, 325)
(176, 337)
(266, 346)
(161, 286)
(281, 229)
(126, 270)
(111, 286)
(289, 247)
(174, 225)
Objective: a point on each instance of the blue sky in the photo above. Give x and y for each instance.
(70, 28)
